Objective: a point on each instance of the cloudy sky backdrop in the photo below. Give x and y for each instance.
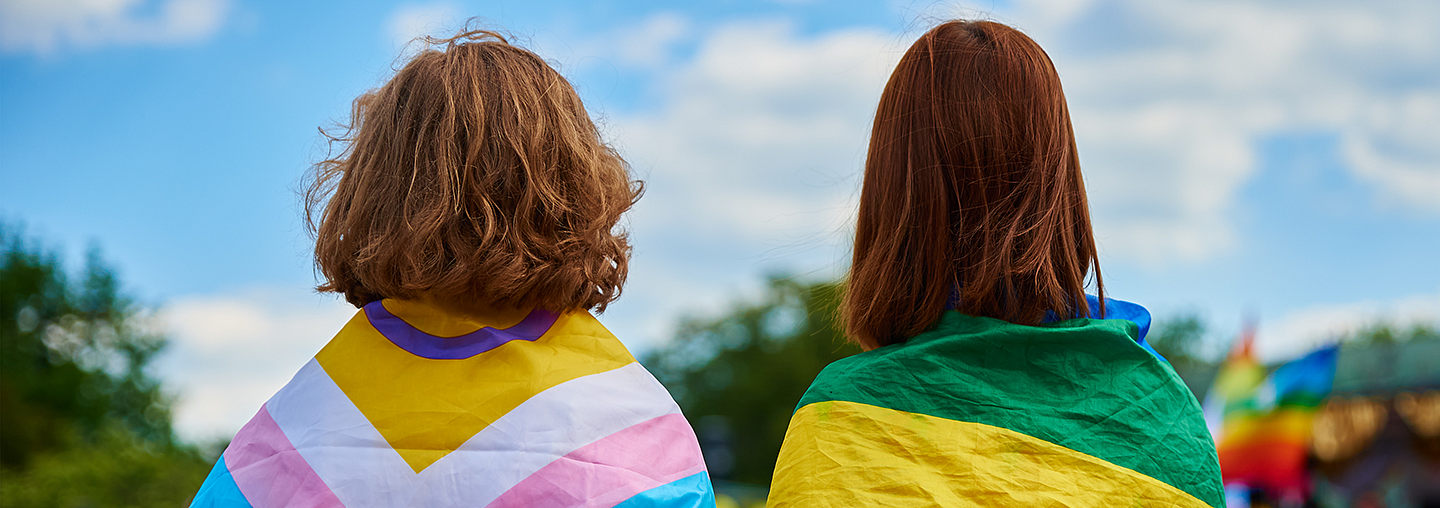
(1274, 158)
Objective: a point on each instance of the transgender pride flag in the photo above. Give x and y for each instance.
(436, 410)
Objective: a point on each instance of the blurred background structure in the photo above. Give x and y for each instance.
(1273, 159)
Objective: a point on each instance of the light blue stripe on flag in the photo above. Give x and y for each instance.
(690, 491)
(219, 490)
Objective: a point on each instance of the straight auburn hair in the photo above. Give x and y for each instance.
(475, 173)
(972, 197)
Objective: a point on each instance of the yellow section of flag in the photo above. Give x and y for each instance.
(427, 408)
(839, 453)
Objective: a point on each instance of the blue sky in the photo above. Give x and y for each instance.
(1271, 158)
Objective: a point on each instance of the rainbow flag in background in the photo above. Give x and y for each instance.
(434, 410)
(1235, 383)
(982, 412)
(1265, 422)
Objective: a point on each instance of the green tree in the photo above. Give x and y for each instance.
(1180, 340)
(1382, 333)
(82, 422)
(739, 376)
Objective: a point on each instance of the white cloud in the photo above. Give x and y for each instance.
(1396, 144)
(751, 145)
(761, 134)
(230, 352)
(410, 21)
(46, 26)
(1299, 331)
(648, 45)
(1171, 100)
(751, 151)
(647, 48)
(757, 139)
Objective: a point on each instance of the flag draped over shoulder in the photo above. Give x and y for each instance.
(548, 412)
(982, 412)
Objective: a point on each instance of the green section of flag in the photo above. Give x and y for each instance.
(1084, 384)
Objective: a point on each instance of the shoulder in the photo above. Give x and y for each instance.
(988, 351)
(1081, 384)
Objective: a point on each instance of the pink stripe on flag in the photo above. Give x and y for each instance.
(601, 474)
(270, 472)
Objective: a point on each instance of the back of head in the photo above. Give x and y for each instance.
(475, 173)
(972, 195)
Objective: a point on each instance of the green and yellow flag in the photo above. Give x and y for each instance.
(982, 412)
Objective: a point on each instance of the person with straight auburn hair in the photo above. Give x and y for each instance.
(472, 218)
(990, 377)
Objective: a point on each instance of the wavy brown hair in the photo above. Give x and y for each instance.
(972, 195)
(474, 173)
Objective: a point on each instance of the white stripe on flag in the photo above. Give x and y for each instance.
(363, 470)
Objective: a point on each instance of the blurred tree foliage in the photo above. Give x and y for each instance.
(82, 422)
(1180, 340)
(1381, 333)
(739, 376)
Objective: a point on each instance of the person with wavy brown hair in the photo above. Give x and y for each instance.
(989, 378)
(472, 217)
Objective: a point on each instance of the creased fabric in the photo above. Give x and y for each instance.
(550, 411)
(982, 412)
